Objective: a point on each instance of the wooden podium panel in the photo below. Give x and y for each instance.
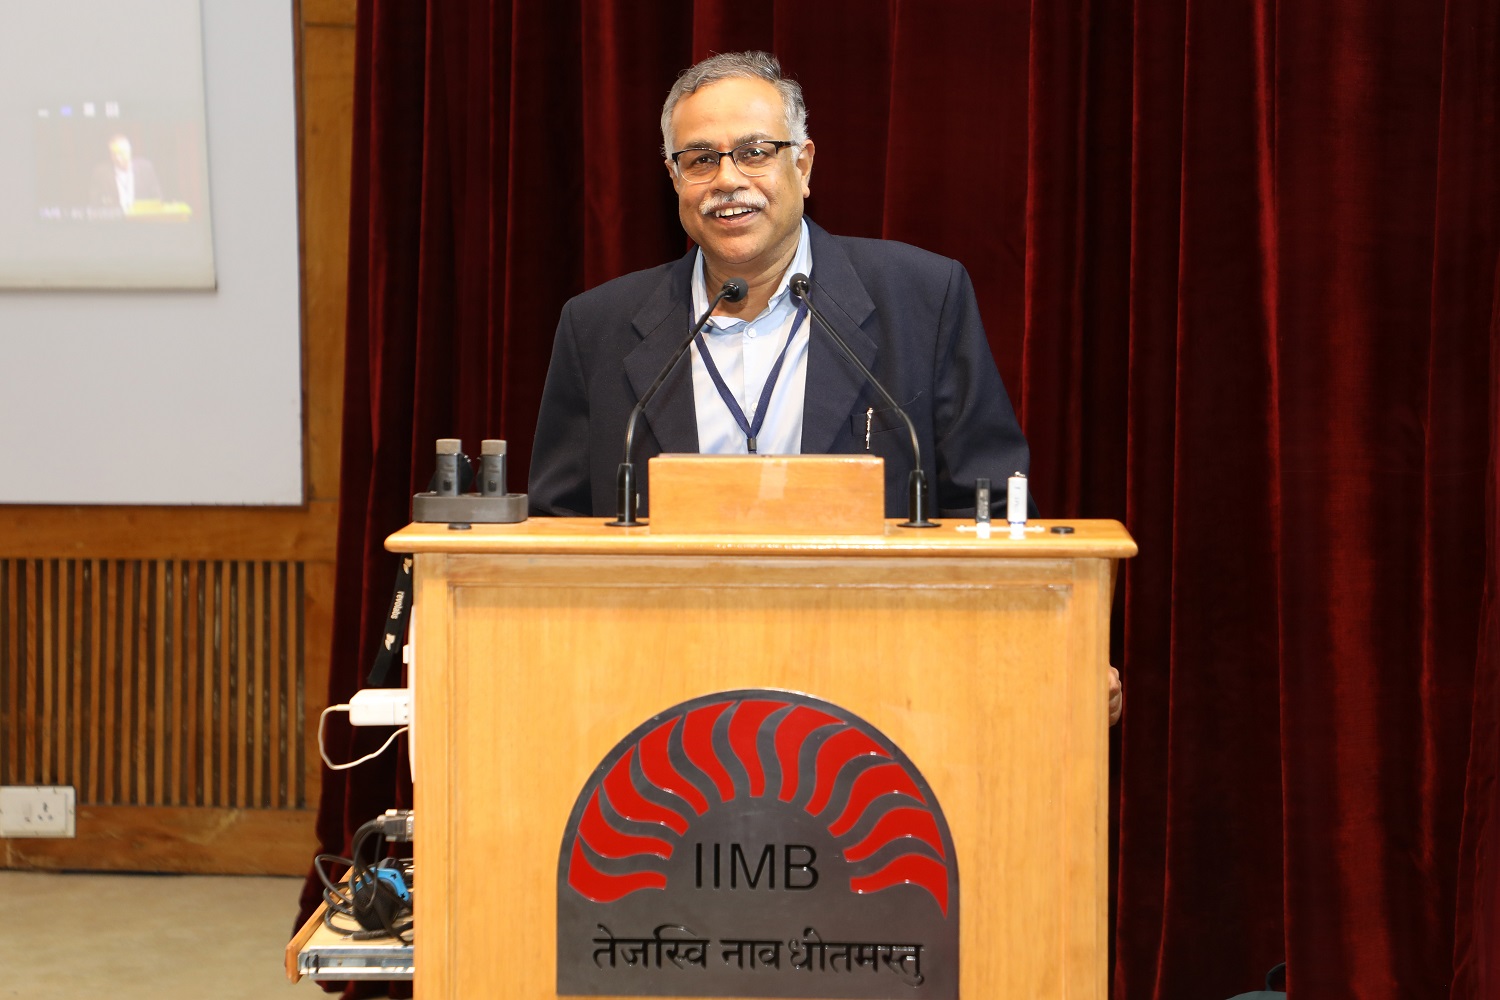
(760, 494)
(538, 646)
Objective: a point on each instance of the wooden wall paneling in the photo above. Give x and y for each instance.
(8, 678)
(162, 683)
(260, 720)
(135, 684)
(193, 694)
(244, 683)
(12, 647)
(276, 638)
(128, 667)
(328, 13)
(314, 585)
(266, 692)
(125, 533)
(62, 682)
(41, 720)
(176, 839)
(258, 691)
(171, 662)
(88, 673)
(168, 684)
(327, 144)
(183, 687)
(31, 710)
(32, 693)
(255, 692)
(52, 680)
(76, 670)
(241, 680)
(151, 618)
(288, 757)
(105, 733)
(223, 687)
(35, 697)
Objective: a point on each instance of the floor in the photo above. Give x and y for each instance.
(147, 937)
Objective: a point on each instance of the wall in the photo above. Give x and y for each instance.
(144, 396)
(171, 662)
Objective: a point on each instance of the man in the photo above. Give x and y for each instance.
(739, 157)
(125, 179)
(760, 379)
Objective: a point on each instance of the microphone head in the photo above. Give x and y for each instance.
(799, 284)
(734, 289)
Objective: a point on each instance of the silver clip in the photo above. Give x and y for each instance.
(869, 423)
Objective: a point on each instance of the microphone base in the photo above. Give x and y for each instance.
(625, 499)
(916, 500)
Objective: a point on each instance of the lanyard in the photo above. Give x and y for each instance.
(750, 430)
(387, 656)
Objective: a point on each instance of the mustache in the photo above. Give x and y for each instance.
(736, 199)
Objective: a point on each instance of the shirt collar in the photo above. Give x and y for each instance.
(802, 263)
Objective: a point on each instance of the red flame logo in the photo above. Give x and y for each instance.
(887, 797)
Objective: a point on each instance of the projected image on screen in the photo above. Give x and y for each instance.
(92, 168)
(104, 179)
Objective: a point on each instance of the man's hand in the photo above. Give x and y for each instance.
(1116, 696)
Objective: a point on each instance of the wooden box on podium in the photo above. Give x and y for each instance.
(538, 646)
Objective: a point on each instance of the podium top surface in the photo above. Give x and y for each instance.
(1089, 539)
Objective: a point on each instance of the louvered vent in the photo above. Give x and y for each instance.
(154, 682)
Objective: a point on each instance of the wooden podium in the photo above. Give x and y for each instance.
(538, 646)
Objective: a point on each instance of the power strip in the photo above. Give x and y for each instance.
(380, 707)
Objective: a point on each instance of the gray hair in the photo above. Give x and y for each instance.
(729, 65)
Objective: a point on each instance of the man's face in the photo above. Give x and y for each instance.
(119, 152)
(721, 116)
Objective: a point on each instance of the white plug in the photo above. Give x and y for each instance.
(380, 707)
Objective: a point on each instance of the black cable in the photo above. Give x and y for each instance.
(342, 899)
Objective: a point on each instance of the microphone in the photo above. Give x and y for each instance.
(732, 290)
(916, 488)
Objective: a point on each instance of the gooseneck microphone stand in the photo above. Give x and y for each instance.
(732, 290)
(916, 483)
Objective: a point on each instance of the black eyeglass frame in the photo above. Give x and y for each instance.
(780, 144)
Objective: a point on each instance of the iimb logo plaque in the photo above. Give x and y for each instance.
(757, 844)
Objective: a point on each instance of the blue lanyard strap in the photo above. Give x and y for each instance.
(751, 431)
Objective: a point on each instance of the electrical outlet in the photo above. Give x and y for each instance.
(37, 811)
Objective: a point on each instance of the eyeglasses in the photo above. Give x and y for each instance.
(751, 158)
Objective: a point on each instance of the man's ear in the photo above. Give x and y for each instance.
(805, 165)
(672, 173)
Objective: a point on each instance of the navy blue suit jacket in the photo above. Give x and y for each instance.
(909, 315)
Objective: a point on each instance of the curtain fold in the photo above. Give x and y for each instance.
(1240, 268)
(1477, 920)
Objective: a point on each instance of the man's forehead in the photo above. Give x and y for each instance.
(738, 109)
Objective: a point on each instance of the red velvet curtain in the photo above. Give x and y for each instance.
(1240, 267)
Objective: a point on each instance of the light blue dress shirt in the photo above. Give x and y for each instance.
(744, 352)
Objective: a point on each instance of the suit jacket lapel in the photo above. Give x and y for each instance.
(833, 384)
(662, 323)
